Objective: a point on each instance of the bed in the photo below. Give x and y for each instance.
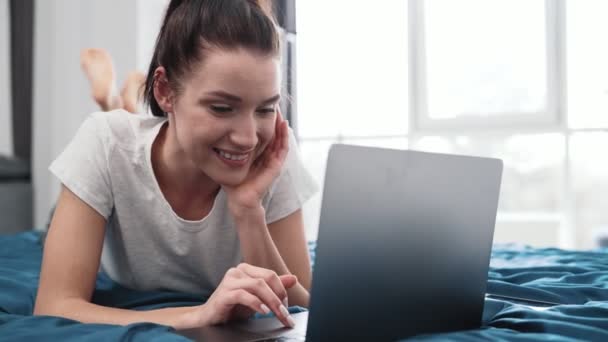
(578, 280)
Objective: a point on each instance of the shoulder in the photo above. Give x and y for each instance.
(121, 128)
(293, 155)
(293, 161)
(294, 185)
(294, 180)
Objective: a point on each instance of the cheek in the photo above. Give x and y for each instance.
(267, 132)
(268, 129)
(193, 136)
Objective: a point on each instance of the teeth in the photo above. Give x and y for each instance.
(232, 156)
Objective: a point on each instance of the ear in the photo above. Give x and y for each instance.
(162, 91)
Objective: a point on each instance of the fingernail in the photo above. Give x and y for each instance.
(291, 322)
(265, 309)
(285, 302)
(284, 311)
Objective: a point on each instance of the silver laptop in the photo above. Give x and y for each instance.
(403, 249)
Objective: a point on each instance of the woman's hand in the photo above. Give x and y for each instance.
(247, 196)
(245, 290)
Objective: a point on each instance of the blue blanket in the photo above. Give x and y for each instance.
(578, 280)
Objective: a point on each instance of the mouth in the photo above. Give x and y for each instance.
(231, 158)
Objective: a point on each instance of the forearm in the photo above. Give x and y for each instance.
(258, 248)
(83, 311)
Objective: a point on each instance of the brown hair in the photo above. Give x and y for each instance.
(191, 27)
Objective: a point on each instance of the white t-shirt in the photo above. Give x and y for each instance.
(147, 246)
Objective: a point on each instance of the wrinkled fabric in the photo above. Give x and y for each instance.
(576, 279)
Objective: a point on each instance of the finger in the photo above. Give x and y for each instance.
(264, 159)
(259, 288)
(279, 148)
(280, 118)
(235, 273)
(275, 142)
(277, 130)
(273, 281)
(284, 142)
(268, 153)
(288, 280)
(269, 276)
(242, 297)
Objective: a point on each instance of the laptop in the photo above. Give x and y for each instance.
(403, 249)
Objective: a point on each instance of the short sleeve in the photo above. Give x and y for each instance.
(83, 166)
(294, 186)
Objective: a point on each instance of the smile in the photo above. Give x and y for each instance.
(232, 159)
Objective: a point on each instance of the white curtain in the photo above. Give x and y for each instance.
(6, 127)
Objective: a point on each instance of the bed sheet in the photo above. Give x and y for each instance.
(578, 280)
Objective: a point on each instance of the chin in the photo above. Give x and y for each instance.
(229, 179)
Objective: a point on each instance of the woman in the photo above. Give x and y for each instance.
(204, 197)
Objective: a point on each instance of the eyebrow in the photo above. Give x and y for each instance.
(235, 98)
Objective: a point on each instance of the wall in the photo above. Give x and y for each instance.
(6, 133)
(61, 92)
(127, 29)
(150, 14)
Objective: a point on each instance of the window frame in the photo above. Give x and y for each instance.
(553, 117)
(566, 214)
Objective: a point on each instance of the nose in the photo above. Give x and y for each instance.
(244, 133)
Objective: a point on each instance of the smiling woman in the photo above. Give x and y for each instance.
(204, 197)
(223, 106)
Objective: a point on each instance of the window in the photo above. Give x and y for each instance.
(522, 80)
(484, 63)
(587, 57)
(352, 79)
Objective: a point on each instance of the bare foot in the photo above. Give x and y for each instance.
(97, 66)
(131, 91)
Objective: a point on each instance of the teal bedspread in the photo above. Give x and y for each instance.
(576, 279)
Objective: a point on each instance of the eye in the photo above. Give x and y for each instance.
(221, 109)
(265, 111)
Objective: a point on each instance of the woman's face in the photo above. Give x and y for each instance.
(225, 113)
